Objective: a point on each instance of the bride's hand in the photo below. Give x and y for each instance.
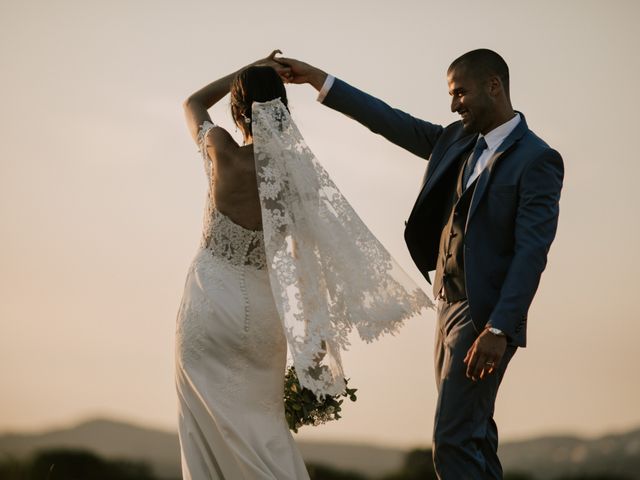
(270, 61)
(301, 72)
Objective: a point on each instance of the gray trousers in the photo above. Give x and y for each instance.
(465, 437)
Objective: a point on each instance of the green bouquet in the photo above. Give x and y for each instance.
(302, 407)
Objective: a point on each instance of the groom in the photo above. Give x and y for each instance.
(484, 220)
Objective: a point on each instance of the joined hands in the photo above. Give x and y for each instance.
(270, 61)
(295, 71)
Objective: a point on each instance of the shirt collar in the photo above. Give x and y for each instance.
(496, 136)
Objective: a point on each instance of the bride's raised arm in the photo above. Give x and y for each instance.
(197, 104)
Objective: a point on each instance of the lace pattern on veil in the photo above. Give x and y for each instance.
(328, 273)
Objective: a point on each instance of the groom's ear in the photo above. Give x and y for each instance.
(494, 86)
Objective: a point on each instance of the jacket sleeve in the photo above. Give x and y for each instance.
(406, 131)
(535, 228)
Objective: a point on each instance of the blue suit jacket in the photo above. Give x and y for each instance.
(513, 215)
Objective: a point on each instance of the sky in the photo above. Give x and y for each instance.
(102, 195)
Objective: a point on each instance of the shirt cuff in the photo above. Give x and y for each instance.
(326, 86)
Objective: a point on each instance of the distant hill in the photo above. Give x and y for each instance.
(108, 438)
(549, 457)
(544, 458)
(160, 449)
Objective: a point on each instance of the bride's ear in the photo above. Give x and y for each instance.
(245, 129)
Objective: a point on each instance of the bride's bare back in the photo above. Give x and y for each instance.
(233, 179)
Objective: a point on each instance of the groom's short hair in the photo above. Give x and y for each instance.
(483, 63)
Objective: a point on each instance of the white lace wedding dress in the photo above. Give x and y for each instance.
(313, 275)
(230, 362)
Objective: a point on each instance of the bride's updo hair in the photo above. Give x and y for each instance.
(254, 84)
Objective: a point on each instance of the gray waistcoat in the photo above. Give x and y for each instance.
(449, 279)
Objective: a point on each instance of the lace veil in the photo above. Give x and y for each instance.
(328, 273)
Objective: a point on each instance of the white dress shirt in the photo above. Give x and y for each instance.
(494, 138)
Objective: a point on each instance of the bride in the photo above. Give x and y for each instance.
(284, 261)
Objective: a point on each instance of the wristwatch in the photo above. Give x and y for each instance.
(496, 331)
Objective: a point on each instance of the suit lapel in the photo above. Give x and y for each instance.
(485, 176)
(453, 152)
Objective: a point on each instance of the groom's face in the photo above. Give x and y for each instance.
(471, 100)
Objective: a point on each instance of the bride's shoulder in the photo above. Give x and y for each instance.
(218, 142)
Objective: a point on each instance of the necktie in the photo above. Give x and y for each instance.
(481, 144)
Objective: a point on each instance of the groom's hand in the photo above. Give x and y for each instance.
(301, 72)
(271, 61)
(485, 355)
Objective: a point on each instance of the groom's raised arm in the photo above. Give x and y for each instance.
(406, 131)
(401, 128)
